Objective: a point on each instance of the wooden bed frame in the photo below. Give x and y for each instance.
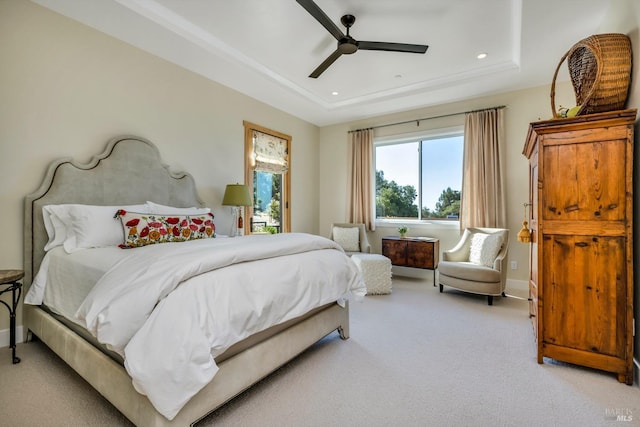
(130, 171)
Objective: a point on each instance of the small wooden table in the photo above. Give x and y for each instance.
(9, 281)
(415, 252)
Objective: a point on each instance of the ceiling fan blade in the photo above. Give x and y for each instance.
(393, 47)
(325, 64)
(322, 18)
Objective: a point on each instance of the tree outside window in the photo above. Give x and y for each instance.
(426, 172)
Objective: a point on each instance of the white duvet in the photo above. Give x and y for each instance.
(169, 309)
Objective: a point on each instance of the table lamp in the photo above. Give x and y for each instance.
(236, 195)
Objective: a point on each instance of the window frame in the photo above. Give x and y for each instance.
(285, 202)
(418, 137)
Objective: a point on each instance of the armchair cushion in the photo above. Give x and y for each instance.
(348, 238)
(343, 234)
(484, 248)
(469, 271)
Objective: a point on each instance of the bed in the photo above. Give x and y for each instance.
(130, 172)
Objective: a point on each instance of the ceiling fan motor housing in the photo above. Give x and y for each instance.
(347, 45)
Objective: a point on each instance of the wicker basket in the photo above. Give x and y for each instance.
(600, 71)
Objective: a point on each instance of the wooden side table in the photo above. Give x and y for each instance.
(9, 280)
(416, 252)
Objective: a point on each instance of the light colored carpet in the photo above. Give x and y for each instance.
(415, 358)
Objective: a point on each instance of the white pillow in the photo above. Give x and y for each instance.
(348, 238)
(48, 225)
(89, 226)
(57, 221)
(484, 248)
(172, 210)
(56, 228)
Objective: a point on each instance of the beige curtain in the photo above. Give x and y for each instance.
(361, 189)
(482, 203)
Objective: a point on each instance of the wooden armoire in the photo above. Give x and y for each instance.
(581, 257)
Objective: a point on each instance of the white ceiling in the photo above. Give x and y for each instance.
(267, 48)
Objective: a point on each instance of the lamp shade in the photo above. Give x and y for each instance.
(236, 195)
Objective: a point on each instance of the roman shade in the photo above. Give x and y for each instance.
(270, 153)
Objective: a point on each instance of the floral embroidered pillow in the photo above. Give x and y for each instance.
(142, 229)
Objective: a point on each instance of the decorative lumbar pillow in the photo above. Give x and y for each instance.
(142, 229)
(484, 248)
(348, 238)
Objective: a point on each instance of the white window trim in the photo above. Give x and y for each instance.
(419, 223)
(418, 135)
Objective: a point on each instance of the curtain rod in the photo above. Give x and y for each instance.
(430, 118)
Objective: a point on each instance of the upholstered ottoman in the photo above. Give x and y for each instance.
(376, 272)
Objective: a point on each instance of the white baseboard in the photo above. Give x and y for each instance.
(5, 337)
(519, 288)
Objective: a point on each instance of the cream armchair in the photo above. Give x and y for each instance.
(352, 241)
(477, 264)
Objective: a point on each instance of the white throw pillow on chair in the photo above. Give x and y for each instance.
(484, 248)
(348, 238)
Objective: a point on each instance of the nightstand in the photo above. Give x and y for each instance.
(9, 281)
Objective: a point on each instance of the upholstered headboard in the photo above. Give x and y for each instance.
(128, 171)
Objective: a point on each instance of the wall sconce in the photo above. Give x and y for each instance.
(236, 195)
(524, 235)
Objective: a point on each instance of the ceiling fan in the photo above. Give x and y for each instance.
(347, 44)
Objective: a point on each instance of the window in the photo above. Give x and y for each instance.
(267, 163)
(423, 171)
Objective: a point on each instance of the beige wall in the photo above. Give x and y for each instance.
(66, 89)
(523, 107)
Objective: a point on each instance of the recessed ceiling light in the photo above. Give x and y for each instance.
(398, 76)
(334, 93)
(482, 55)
